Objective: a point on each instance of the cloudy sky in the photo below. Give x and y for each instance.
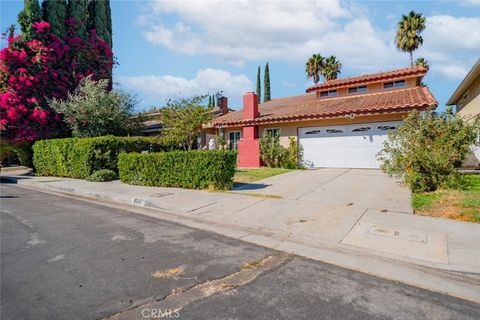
(168, 49)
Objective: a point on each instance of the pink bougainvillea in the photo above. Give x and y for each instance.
(45, 67)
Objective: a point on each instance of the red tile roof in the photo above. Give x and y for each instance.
(398, 74)
(308, 107)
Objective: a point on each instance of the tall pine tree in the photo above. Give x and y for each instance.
(209, 101)
(100, 19)
(259, 89)
(78, 9)
(266, 83)
(30, 14)
(55, 13)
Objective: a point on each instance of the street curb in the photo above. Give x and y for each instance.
(462, 285)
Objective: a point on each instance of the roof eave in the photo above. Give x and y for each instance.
(465, 84)
(323, 117)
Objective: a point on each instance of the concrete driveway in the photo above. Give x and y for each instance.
(364, 188)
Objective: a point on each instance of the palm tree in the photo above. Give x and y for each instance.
(421, 62)
(331, 68)
(314, 67)
(408, 36)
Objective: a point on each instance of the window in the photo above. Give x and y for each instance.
(330, 93)
(273, 131)
(386, 128)
(334, 131)
(358, 89)
(233, 138)
(362, 129)
(394, 84)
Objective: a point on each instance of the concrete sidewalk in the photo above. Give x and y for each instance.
(437, 254)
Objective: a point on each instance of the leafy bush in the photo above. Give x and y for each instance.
(80, 157)
(181, 120)
(102, 175)
(184, 169)
(275, 155)
(22, 151)
(92, 110)
(427, 149)
(294, 154)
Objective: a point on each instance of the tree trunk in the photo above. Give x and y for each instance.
(411, 58)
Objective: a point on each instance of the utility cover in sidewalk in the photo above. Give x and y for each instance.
(400, 234)
(411, 243)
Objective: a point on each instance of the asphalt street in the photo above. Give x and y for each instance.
(64, 258)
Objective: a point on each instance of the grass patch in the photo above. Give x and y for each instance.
(424, 200)
(459, 204)
(471, 182)
(252, 265)
(252, 175)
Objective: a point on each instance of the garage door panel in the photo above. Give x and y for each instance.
(354, 146)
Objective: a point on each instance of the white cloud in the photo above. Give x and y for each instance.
(157, 89)
(451, 44)
(290, 31)
(270, 30)
(471, 2)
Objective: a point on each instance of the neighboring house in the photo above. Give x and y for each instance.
(340, 123)
(467, 100)
(152, 125)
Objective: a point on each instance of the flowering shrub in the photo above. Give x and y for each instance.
(45, 67)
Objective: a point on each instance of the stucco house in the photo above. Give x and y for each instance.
(466, 98)
(339, 123)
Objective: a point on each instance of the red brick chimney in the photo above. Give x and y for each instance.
(223, 105)
(250, 106)
(249, 144)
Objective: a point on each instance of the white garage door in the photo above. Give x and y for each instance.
(346, 146)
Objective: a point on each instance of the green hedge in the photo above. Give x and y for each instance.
(184, 169)
(80, 157)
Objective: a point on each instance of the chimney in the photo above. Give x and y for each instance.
(250, 106)
(223, 105)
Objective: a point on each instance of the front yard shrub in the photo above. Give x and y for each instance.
(184, 169)
(23, 152)
(275, 155)
(80, 157)
(102, 175)
(427, 149)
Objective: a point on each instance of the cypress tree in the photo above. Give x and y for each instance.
(55, 13)
(209, 101)
(266, 83)
(99, 18)
(30, 14)
(78, 9)
(259, 90)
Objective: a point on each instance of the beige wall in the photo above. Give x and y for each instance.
(375, 87)
(291, 129)
(469, 104)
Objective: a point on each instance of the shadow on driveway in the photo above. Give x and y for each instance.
(241, 186)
